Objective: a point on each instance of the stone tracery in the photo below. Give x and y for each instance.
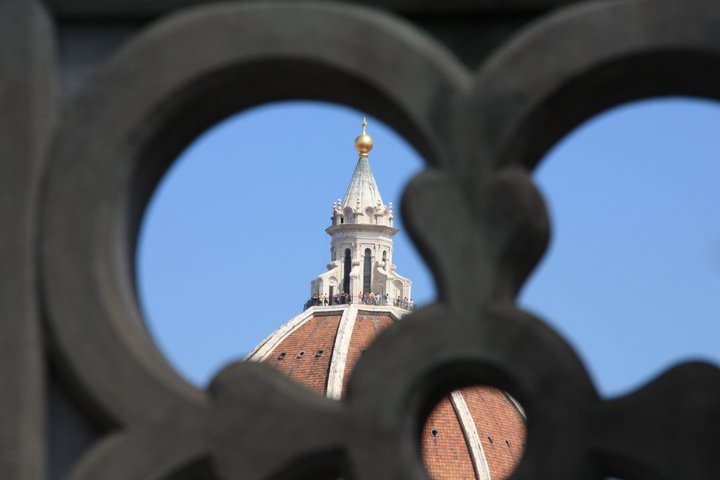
(481, 132)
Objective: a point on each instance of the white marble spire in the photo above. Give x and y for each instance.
(362, 192)
(363, 203)
(362, 246)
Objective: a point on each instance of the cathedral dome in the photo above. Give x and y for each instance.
(473, 433)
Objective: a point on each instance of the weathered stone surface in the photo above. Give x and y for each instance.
(481, 132)
(27, 110)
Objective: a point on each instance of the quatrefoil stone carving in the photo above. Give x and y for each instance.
(481, 133)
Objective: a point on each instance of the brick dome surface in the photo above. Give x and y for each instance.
(474, 433)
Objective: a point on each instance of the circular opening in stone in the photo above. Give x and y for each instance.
(234, 238)
(632, 273)
(474, 433)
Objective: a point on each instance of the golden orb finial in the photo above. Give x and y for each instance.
(364, 142)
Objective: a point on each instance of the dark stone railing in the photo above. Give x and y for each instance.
(98, 97)
(320, 301)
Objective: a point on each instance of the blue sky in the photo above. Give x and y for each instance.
(235, 232)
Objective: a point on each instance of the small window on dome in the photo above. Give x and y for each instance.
(300, 355)
(281, 356)
(434, 432)
(342, 220)
(490, 439)
(507, 443)
(319, 353)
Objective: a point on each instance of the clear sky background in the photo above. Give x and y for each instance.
(235, 233)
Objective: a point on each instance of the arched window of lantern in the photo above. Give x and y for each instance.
(367, 271)
(346, 270)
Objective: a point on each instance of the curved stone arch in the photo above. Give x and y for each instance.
(158, 453)
(594, 56)
(139, 111)
(473, 353)
(116, 142)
